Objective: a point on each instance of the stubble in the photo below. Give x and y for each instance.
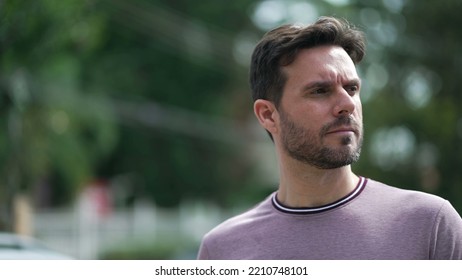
(307, 146)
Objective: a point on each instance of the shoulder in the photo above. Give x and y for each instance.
(428, 214)
(244, 219)
(393, 203)
(403, 198)
(230, 232)
(416, 204)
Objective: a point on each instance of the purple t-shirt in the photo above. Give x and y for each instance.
(375, 221)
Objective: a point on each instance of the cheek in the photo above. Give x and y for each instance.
(359, 109)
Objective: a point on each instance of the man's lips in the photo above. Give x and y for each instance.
(342, 130)
(344, 125)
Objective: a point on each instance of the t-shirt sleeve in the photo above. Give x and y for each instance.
(447, 232)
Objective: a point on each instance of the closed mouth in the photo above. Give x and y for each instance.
(342, 125)
(342, 130)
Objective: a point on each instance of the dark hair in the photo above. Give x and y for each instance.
(280, 46)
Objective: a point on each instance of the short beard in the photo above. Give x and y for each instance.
(305, 146)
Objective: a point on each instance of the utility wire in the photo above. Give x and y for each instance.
(179, 32)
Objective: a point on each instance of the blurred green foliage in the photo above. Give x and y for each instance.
(70, 72)
(166, 249)
(421, 100)
(157, 90)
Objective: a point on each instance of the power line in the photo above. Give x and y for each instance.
(184, 121)
(183, 34)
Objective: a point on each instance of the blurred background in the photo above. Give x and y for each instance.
(127, 129)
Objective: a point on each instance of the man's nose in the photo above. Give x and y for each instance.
(345, 103)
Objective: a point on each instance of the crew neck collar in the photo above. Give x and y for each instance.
(313, 210)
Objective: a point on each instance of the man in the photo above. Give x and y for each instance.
(306, 95)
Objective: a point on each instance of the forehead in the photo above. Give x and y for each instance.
(323, 62)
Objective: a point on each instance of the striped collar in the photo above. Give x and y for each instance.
(312, 210)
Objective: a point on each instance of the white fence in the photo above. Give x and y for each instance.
(82, 233)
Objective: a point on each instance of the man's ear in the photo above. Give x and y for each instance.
(266, 113)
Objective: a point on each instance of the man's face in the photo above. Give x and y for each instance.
(320, 114)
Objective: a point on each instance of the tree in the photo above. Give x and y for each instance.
(158, 90)
(73, 71)
(54, 132)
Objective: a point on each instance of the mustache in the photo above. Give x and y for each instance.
(342, 122)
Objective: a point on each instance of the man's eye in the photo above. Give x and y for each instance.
(352, 89)
(320, 91)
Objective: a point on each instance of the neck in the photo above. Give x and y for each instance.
(302, 185)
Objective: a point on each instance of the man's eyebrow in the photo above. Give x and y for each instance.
(317, 84)
(356, 81)
(324, 84)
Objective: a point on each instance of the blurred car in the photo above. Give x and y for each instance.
(16, 247)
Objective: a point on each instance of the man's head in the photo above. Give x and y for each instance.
(306, 92)
(280, 46)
